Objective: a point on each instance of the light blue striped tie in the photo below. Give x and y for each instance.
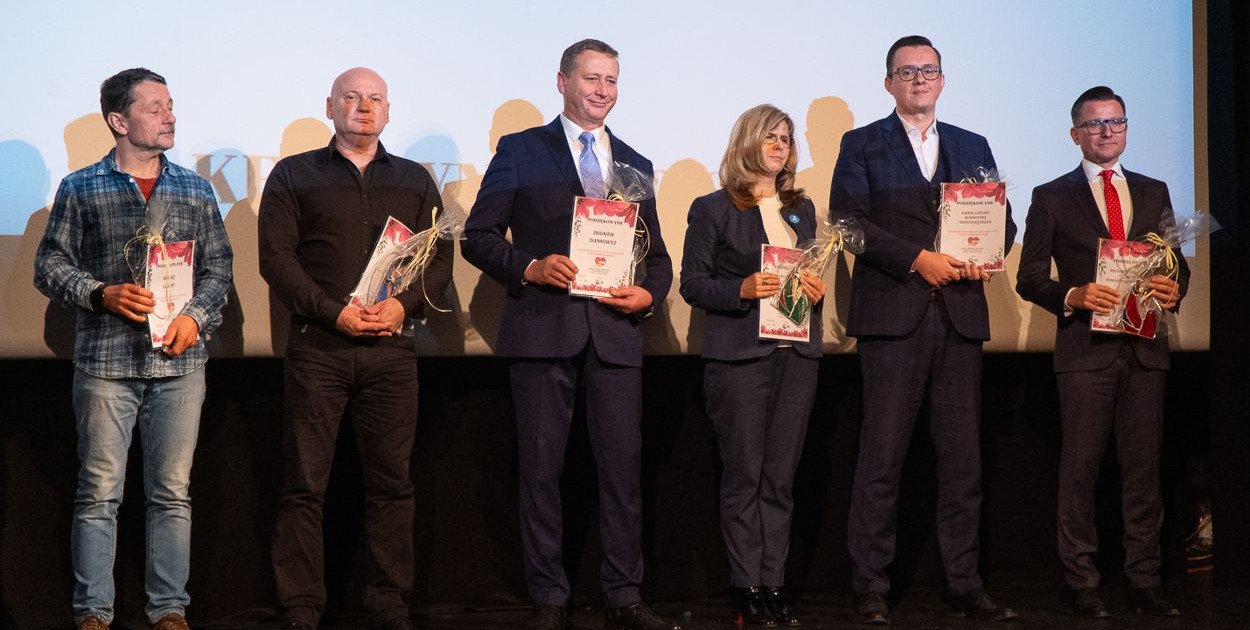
(592, 177)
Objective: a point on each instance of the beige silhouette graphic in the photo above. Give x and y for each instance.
(677, 328)
(303, 134)
(244, 326)
(1007, 330)
(828, 117)
(255, 324)
(33, 326)
(476, 300)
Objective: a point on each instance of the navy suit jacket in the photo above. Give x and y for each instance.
(529, 189)
(1064, 224)
(723, 247)
(878, 182)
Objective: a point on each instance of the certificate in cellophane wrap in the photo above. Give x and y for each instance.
(1120, 265)
(602, 245)
(380, 279)
(774, 324)
(973, 223)
(171, 279)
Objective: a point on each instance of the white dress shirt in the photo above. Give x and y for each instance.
(603, 148)
(925, 146)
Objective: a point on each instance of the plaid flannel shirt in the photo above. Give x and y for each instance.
(97, 211)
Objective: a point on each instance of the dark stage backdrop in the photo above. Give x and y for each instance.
(1228, 90)
(464, 468)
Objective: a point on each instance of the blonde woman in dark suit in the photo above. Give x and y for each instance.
(758, 392)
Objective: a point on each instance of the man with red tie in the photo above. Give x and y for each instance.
(1107, 382)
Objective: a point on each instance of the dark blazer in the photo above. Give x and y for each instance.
(529, 188)
(1064, 225)
(878, 183)
(723, 247)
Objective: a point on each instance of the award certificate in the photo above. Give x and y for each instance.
(1119, 265)
(171, 279)
(602, 245)
(385, 267)
(973, 223)
(774, 322)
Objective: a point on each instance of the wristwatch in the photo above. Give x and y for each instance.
(97, 300)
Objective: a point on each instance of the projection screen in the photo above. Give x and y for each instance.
(250, 79)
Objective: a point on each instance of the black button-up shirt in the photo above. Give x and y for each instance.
(320, 218)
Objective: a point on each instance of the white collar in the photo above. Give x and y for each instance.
(574, 131)
(1094, 171)
(913, 130)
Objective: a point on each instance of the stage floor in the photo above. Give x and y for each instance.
(920, 608)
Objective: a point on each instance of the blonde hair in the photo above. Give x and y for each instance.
(743, 163)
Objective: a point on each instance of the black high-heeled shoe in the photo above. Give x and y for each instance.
(751, 607)
(781, 610)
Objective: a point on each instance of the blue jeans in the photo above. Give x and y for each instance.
(167, 411)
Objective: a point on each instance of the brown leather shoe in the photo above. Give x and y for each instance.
(172, 621)
(92, 622)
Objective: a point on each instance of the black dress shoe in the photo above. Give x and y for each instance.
(296, 625)
(398, 623)
(751, 608)
(548, 617)
(779, 607)
(872, 609)
(1150, 600)
(978, 603)
(637, 615)
(1086, 604)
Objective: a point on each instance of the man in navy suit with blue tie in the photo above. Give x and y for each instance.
(559, 344)
(920, 318)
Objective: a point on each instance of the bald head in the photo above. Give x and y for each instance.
(355, 75)
(358, 105)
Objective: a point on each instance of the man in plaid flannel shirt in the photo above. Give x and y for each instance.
(86, 261)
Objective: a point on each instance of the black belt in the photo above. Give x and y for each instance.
(935, 294)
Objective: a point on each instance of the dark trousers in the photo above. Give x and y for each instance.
(324, 377)
(1128, 399)
(760, 408)
(544, 392)
(933, 362)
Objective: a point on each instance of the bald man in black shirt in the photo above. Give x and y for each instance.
(320, 216)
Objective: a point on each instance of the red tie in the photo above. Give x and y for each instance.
(1115, 219)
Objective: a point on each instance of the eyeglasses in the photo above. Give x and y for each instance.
(908, 73)
(1096, 125)
(773, 139)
